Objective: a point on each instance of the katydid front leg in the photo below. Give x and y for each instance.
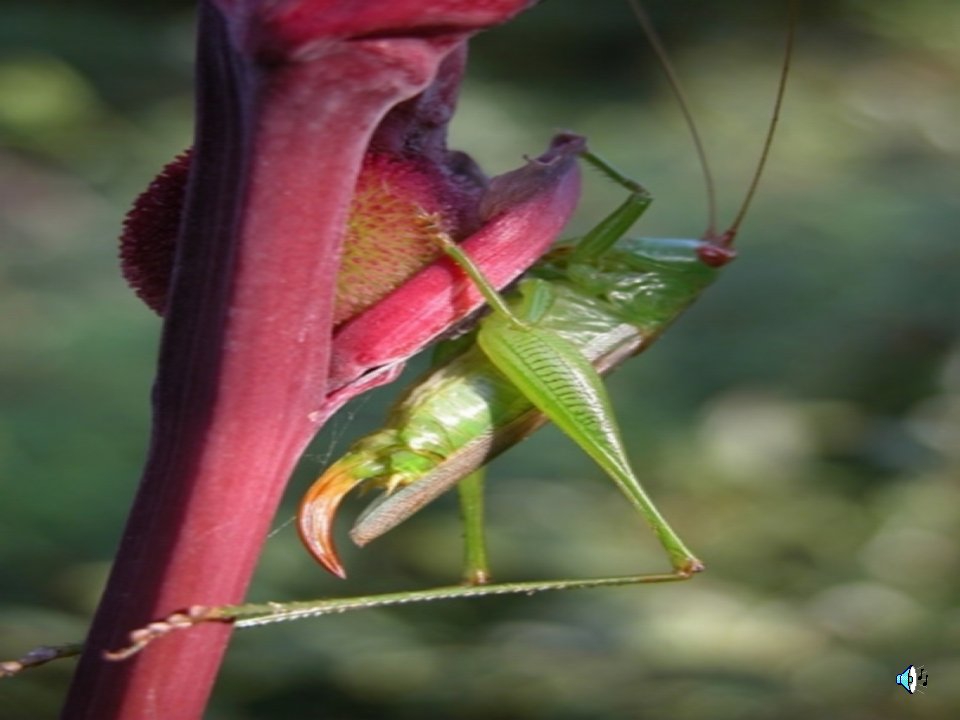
(555, 376)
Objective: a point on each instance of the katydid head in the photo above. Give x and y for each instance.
(717, 248)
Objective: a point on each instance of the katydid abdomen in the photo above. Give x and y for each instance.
(465, 411)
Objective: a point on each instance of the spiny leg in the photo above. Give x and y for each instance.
(253, 614)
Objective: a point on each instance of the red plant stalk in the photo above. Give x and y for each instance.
(289, 94)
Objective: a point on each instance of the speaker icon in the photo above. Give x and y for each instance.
(909, 678)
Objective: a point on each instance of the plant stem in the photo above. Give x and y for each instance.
(245, 348)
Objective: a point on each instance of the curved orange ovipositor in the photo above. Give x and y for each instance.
(317, 511)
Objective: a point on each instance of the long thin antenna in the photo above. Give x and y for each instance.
(724, 239)
(647, 25)
(774, 119)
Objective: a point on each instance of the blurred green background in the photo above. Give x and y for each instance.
(799, 426)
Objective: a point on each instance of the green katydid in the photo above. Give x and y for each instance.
(594, 304)
(556, 377)
(583, 307)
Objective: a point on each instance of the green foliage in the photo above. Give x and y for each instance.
(798, 426)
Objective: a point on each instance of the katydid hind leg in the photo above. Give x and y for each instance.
(555, 376)
(256, 614)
